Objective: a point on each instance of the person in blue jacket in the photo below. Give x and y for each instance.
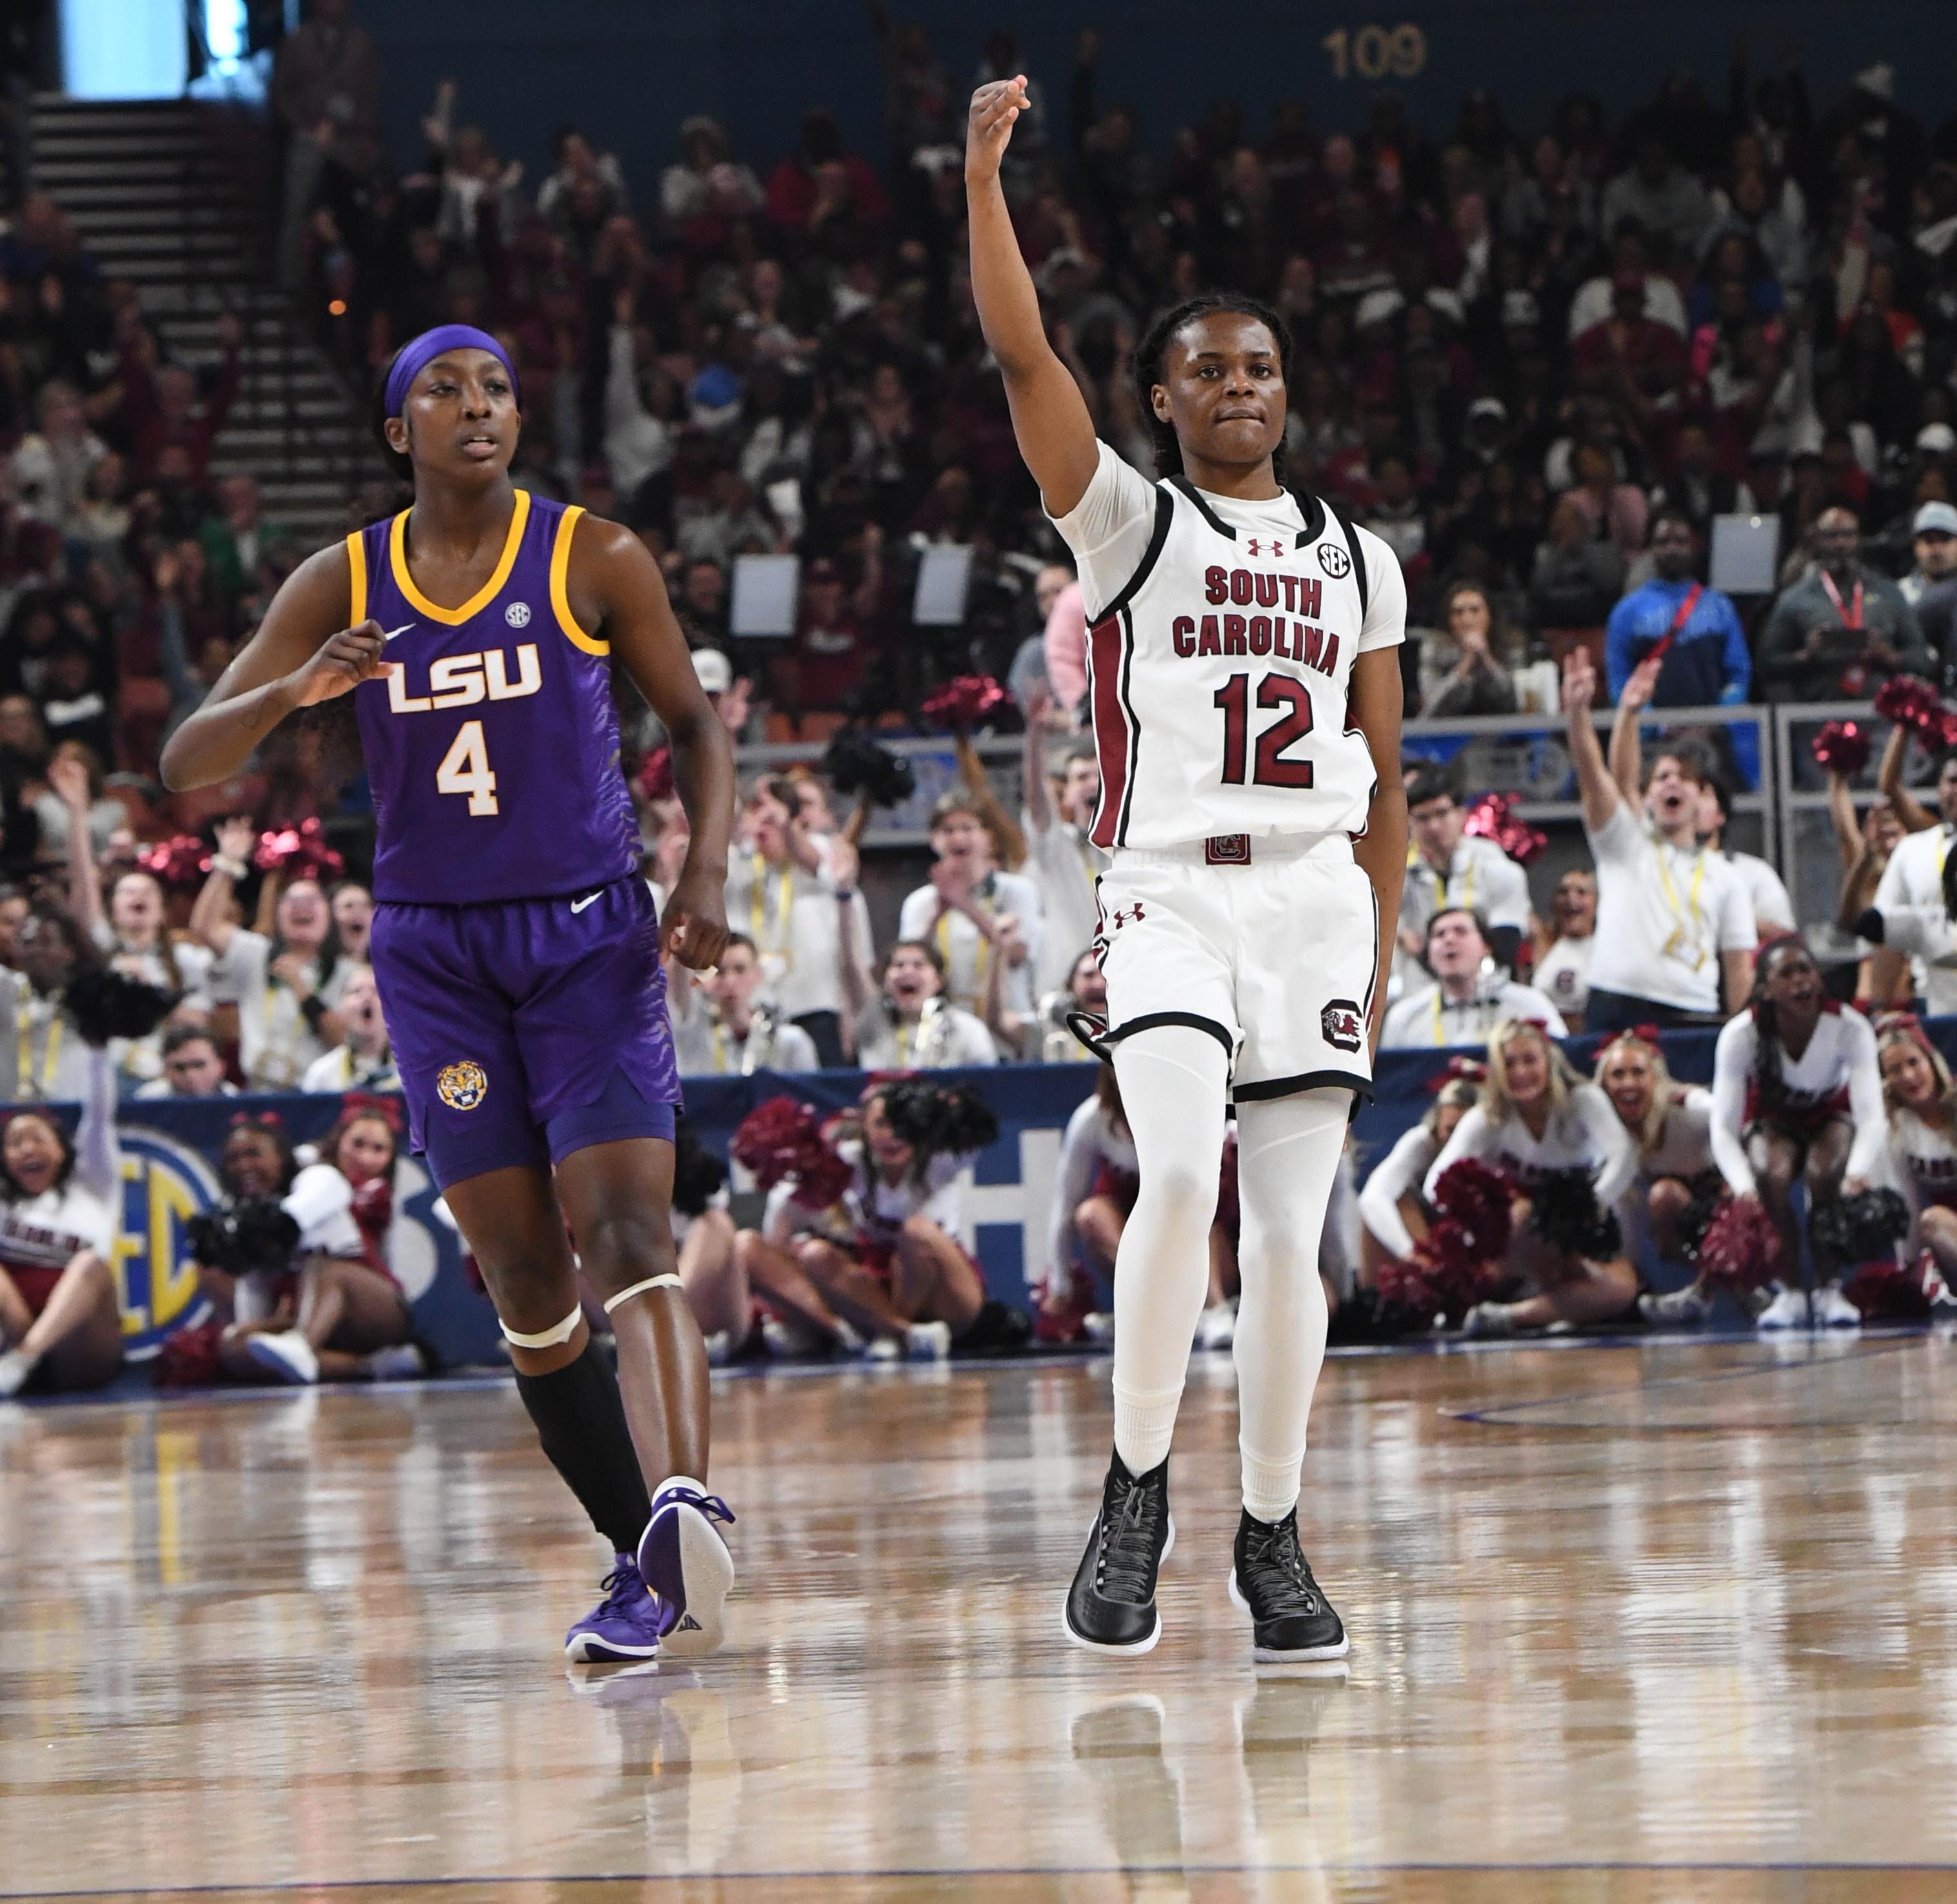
(1706, 664)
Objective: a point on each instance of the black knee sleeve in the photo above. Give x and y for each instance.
(580, 1421)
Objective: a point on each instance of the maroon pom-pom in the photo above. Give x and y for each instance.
(1842, 747)
(1493, 817)
(298, 853)
(179, 865)
(655, 777)
(1885, 1292)
(189, 1357)
(1478, 1198)
(965, 702)
(1740, 1250)
(782, 1139)
(1913, 703)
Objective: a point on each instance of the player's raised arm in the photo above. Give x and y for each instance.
(614, 584)
(296, 659)
(1050, 419)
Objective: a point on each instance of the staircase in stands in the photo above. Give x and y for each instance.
(146, 190)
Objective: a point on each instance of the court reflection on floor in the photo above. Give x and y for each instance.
(1664, 1609)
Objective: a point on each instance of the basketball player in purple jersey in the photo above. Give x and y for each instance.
(515, 944)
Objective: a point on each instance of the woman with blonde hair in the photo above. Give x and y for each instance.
(1922, 1101)
(1393, 1215)
(1555, 1136)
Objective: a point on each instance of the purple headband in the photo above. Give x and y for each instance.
(431, 344)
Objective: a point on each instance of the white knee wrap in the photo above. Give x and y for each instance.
(547, 1338)
(668, 1281)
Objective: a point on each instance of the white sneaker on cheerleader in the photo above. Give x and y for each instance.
(927, 1341)
(1217, 1328)
(1788, 1309)
(1097, 1325)
(1936, 1292)
(287, 1356)
(1684, 1308)
(15, 1370)
(1488, 1320)
(1832, 1310)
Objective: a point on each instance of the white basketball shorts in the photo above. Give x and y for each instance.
(1278, 958)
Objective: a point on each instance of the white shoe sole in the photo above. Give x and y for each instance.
(1140, 1646)
(268, 1358)
(708, 1569)
(1277, 1655)
(575, 1652)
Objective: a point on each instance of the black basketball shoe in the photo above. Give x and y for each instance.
(1292, 1621)
(1111, 1607)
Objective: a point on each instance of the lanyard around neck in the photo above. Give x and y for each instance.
(23, 1041)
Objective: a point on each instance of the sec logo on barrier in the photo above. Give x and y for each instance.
(164, 1183)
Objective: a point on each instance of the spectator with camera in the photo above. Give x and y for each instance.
(1449, 866)
(723, 1027)
(1843, 629)
(364, 1059)
(912, 1026)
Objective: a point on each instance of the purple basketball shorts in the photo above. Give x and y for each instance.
(527, 1028)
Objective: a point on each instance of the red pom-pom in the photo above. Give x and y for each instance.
(189, 1357)
(965, 702)
(782, 1139)
(1478, 1198)
(1885, 1292)
(298, 853)
(1447, 1276)
(181, 864)
(655, 777)
(1842, 747)
(1493, 817)
(1740, 1249)
(1913, 703)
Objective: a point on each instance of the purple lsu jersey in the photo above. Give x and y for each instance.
(493, 750)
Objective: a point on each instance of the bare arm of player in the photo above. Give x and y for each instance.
(1627, 762)
(1050, 419)
(1374, 701)
(613, 583)
(303, 653)
(1600, 795)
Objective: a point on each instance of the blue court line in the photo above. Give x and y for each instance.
(1184, 1868)
(1495, 1411)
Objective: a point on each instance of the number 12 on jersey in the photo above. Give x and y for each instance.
(1274, 691)
(465, 769)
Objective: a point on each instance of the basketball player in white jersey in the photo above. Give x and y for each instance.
(1246, 701)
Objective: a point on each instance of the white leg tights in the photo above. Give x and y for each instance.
(1173, 1080)
(1287, 1155)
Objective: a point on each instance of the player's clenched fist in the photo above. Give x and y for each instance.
(989, 126)
(343, 663)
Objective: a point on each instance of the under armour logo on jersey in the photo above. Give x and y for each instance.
(1334, 561)
(1134, 912)
(1275, 544)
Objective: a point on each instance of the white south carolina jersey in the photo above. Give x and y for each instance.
(1221, 640)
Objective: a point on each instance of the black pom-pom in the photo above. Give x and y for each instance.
(697, 1173)
(106, 1003)
(1564, 1212)
(254, 1233)
(1862, 1227)
(939, 1119)
(855, 763)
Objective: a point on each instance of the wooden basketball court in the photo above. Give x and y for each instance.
(1676, 1621)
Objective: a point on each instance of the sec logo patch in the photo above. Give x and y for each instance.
(517, 614)
(461, 1086)
(1334, 561)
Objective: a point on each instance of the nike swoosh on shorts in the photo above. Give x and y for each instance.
(589, 898)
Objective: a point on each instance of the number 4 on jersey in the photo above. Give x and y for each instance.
(1274, 691)
(465, 769)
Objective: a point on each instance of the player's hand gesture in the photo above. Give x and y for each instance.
(989, 126)
(1643, 683)
(69, 779)
(1579, 683)
(236, 839)
(694, 928)
(350, 657)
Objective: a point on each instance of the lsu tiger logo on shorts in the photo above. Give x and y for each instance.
(1345, 1029)
(461, 1086)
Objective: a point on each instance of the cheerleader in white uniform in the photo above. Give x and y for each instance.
(1922, 1102)
(1393, 1213)
(1797, 1095)
(1537, 1117)
(60, 1210)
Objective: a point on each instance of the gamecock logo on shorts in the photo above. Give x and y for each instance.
(1345, 1029)
(1334, 561)
(463, 1086)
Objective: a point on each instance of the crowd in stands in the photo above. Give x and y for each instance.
(1538, 362)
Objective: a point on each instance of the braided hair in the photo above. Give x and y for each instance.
(1768, 1080)
(1149, 354)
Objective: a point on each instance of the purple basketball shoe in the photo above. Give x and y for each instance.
(626, 1624)
(687, 1565)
